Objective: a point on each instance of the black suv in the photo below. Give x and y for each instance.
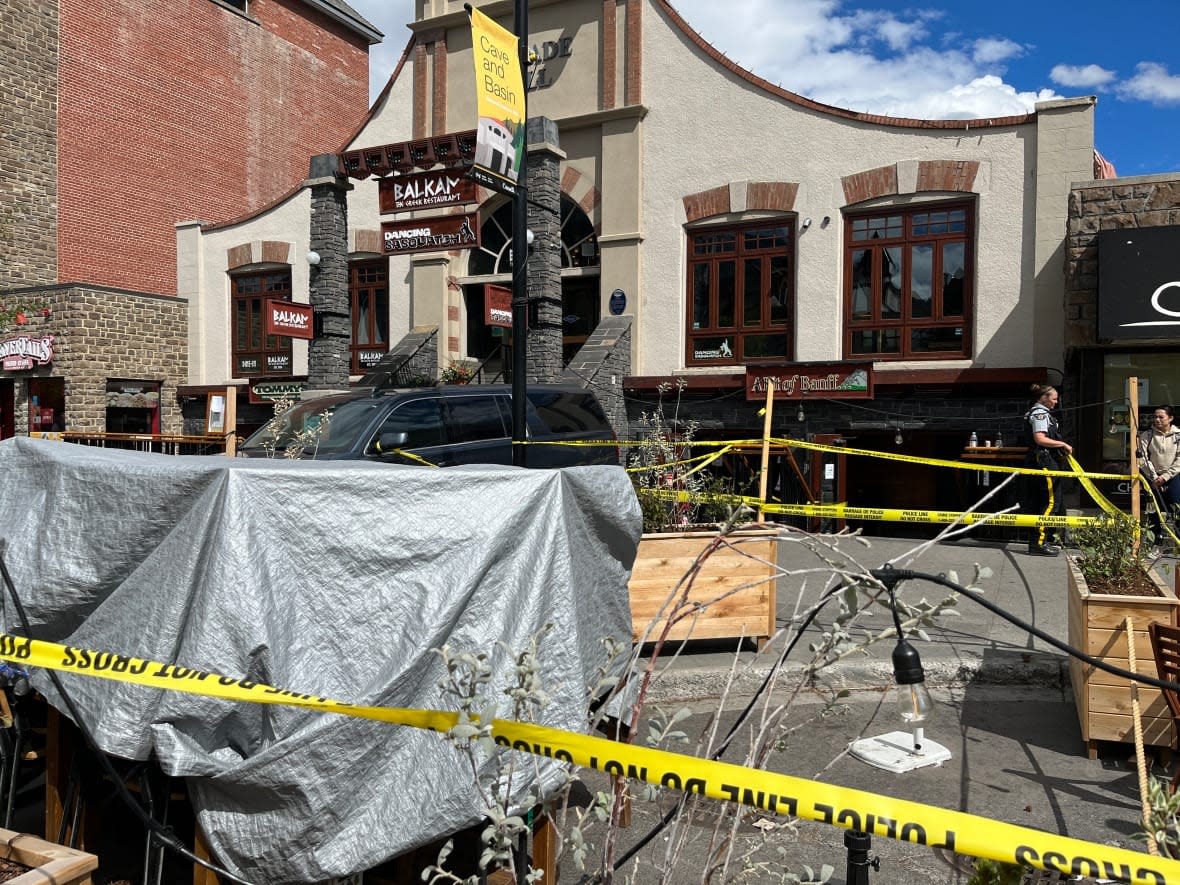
(455, 424)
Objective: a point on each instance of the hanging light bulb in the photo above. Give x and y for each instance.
(897, 437)
(799, 416)
(914, 702)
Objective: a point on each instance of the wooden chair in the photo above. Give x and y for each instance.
(1165, 646)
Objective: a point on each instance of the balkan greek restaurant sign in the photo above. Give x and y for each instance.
(430, 234)
(24, 352)
(797, 381)
(288, 318)
(425, 190)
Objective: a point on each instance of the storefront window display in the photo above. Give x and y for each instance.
(47, 405)
(133, 406)
(1159, 385)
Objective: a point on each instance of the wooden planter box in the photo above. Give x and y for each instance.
(50, 862)
(750, 611)
(1097, 625)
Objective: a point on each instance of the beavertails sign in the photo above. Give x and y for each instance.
(25, 352)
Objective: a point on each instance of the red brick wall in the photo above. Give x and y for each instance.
(186, 111)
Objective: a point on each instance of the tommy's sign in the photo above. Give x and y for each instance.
(796, 381)
(431, 234)
(288, 318)
(1139, 282)
(425, 190)
(25, 352)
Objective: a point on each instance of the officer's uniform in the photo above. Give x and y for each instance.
(1042, 495)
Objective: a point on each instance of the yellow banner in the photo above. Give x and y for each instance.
(500, 103)
(770, 791)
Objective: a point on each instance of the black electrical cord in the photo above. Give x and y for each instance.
(164, 834)
(724, 745)
(891, 576)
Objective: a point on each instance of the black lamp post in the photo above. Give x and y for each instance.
(520, 288)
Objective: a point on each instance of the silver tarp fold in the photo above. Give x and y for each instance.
(330, 578)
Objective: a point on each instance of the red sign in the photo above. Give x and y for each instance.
(497, 306)
(288, 318)
(24, 352)
(445, 232)
(800, 380)
(425, 190)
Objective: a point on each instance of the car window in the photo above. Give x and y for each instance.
(328, 425)
(420, 419)
(473, 418)
(567, 411)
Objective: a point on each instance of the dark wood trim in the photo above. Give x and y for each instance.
(881, 378)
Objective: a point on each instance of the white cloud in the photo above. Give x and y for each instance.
(1080, 76)
(995, 49)
(1152, 83)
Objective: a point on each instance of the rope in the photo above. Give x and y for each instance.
(1140, 761)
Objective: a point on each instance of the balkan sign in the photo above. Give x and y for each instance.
(1139, 282)
(497, 306)
(25, 352)
(288, 318)
(796, 381)
(499, 99)
(430, 234)
(425, 190)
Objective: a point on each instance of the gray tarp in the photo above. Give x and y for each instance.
(334, 579)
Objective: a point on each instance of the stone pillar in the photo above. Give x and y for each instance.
(328, 359)
(544, 258)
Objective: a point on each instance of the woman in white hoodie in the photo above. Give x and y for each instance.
(1159, 460)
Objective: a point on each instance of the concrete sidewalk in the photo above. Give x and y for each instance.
(976, 647)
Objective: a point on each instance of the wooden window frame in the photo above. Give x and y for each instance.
(906, 324)
(740, 331)
(355, 285)
(279, 346)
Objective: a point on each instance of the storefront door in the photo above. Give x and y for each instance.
(7, 408)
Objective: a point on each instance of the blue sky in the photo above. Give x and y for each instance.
(941, 59)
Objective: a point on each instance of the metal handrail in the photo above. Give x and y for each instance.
(163, 443)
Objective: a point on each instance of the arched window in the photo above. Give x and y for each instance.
(579, 243)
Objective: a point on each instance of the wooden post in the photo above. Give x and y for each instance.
(231, 421)
(765, 450)
(1133, 396)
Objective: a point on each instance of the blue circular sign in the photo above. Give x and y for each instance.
(618, 301)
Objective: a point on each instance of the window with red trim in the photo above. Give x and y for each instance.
(908, 273)
(368, 287)
(740, 294)
(254, 352)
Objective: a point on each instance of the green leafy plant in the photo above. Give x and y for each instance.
(18, 311)
(1115, 555)
(1162, 820)
(990, 872)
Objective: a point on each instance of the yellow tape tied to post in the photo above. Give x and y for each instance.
(776, 793)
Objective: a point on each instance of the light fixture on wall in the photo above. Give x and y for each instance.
(529, 236)
(313, 257)
(806, 223)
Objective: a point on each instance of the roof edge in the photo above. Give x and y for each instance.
(832, 110)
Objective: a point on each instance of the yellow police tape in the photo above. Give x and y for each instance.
(776, 793)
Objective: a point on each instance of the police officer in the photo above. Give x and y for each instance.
(1047, 450)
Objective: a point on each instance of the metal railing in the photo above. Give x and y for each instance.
(163, 443)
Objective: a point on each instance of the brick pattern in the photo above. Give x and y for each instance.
(771, 195)
(368, 240)
(328, 356)
(1106, 207)
(947, 175)
(277, 252)
(438, 106)
(239, 256)
(543, 173)
(418, 119)
(610, 51)
(705, 204)
(601, 364)
(589, 202)
(101, 334)
(633, 61)
(880, 182)
(184, 111)
(569, 179)
(28, 174)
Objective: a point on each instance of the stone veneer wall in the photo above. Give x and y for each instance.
(1108, 204)
(105, 333)
(28, 150)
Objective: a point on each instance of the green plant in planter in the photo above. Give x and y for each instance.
(457, 372)
(1115, 555)
(1162, 821)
